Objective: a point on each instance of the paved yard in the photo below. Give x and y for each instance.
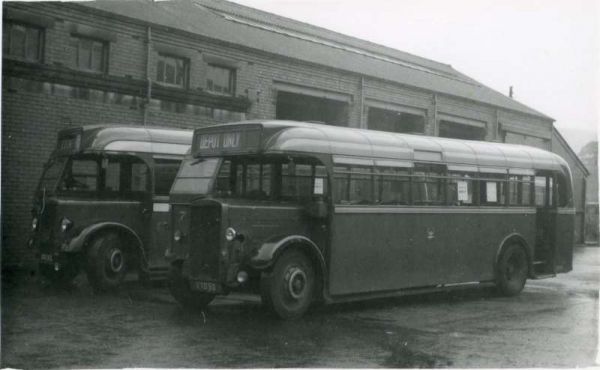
(553, 323)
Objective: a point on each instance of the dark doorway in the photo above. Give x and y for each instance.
(393, 121)
(300, 107)
(459, 131)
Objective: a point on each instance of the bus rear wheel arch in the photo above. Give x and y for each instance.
(108, 258)
(512, 269)
(288, 289)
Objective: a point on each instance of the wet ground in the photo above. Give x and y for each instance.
(553, 323)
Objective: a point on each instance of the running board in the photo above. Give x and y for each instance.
(543, 276)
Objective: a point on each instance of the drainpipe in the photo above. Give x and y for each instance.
(148, 79)
(436, 130)
(362, 123)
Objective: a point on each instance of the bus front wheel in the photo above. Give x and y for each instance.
(288, 290)
(179, 286)
(107, 262)
(511, 272)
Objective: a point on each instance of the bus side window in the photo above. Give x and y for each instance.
(392, 185)
(540, 191)
(225, 180)
(319, 182)
(492, 189)
(562, 191)
(428, 184)
(460, 189)
(519, 190)
(139, 177)
(341, 184)
(112, 182)
(165, 171)
(296, 181)
(551, 192)
(82, 174)
(353, 185)
(361, 185)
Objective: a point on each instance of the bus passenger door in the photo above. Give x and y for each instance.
(564, 224)
(545, 243)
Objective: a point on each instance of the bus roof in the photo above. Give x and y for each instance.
(124, 138)
(347, 143)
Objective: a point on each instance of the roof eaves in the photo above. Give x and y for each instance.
(495, 98)
(570, 150)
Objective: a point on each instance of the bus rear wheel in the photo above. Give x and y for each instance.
(288, 290)
(107, 262)
(511, 272)
(179, 286)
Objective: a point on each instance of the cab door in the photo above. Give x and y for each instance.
(164, 171)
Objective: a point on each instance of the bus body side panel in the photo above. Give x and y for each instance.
(417, 247)
(563, 239)
(159, 235)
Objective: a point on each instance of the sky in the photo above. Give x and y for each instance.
(548, 50)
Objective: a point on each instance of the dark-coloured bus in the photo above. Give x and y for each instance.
(102, 203)
(302, 213)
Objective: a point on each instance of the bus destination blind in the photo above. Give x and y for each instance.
(230, 142)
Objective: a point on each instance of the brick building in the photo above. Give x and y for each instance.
(198, 62)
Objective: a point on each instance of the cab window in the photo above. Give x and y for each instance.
(165, 171)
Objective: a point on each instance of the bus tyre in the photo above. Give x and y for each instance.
(179, 286)
(288, 290)
(106, 262)
(511, 272)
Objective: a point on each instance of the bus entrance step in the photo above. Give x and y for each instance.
(544, 276)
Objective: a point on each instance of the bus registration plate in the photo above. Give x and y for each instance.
(46, 258)
(204, 286)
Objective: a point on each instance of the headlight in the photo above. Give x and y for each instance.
(177, 235)
(34, 224)
(230, 234)
(65, 224)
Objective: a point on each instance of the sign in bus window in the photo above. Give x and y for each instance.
(319, 187)
(491, 190)
(460, 189)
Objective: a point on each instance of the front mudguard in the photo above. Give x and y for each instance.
(268, 252)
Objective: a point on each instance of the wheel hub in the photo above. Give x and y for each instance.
(116, 260)
(296, 283)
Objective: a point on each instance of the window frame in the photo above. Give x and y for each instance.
(104, 57)
(186, 70)
(232, 78)
(41, 41)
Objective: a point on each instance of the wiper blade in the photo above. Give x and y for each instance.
(199, 160)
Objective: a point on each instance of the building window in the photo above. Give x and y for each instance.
(92, 55)
(395, 121)
(220, 80)
(172, 70)
(22, 41)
